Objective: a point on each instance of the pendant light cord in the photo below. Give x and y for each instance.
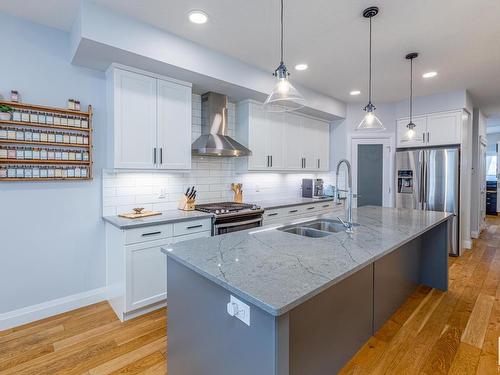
(370, 66)
(282, 31)
(411, 91)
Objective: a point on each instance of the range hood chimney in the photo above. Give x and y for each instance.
(213, 140)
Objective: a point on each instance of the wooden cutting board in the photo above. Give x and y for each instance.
(134, 215)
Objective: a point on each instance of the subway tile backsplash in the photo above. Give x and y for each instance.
(212, 178)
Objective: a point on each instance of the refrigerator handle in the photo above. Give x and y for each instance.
(424, 180)
(420, 178)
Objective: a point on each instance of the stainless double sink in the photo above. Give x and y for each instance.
(315, 228)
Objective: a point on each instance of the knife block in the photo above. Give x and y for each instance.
(186, 204)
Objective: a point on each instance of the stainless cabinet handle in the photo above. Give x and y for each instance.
(271, 161)
(161, 155)
(267, 157)
(423, 137)
(150, 234)
(195, 226)
(273, 214)
(428, 137)
(311, 208)
(326, 205)
(292, 211)
(319, 164)
(154, 155)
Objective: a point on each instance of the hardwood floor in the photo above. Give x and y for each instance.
(432, 333)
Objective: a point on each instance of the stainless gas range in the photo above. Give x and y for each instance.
(231, 217)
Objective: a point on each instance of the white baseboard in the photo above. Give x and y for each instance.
(474, 234)
(46, 309)
(467, 244)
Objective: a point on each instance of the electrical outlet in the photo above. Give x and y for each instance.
(163, 193)
(239, 310)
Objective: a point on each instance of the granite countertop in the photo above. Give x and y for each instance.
(287, 202)
(278, 271)
(166, 217)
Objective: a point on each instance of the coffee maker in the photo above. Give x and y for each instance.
(312, 188)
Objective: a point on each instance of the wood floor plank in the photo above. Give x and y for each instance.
(466, 360)
(475, 331)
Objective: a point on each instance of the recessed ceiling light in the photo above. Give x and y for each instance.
(198, 16)
(355, 92)
(301, 67)
(429, 74)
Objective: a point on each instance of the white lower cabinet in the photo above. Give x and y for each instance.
(136, 267)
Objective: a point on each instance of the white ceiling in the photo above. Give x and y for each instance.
(458, 38)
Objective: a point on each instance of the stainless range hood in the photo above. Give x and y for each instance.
(213, 140)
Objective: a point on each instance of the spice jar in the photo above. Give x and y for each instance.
(50, 172)
(28, 135)
(36, 172)
(65, 137)
(43, 154)
(3, 172)
(57, 120)
(28, 153)
(11, 153)
(34, 117)
(43, 172)
(3, 153)
(51, 155)
(42, 118)
(51, 137)
(64, 120)
(19, 135)
(20, 153)
(36, 136)
(25, 116)
(59, 138)
(11, 134)
(3, 133)
(11, 172)
(36, 154)
(16, 115)
(28, 172)
(84, 123)
(49, 119)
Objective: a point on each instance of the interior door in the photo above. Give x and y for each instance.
(371, 172)
(174, 126)
(135, 120)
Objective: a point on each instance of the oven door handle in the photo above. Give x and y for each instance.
(238, 223)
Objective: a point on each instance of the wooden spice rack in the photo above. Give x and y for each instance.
(45, 163)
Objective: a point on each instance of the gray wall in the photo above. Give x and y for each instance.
(52, 233)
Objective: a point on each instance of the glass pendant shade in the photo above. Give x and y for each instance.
(409, 134)
(370, 123)
(284, 97)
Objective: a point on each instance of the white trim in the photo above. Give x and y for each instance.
(46, 309)
(467, 244)
(375, 138)
(131, 69)
(474, 234)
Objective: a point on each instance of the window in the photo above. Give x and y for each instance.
(491, 167)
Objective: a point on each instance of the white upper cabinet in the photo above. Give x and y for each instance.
(282, 141)
(435, 129)
(134, 119)
(444, 128)
(294, 139)
(149, 121)
(174, 125)
(420, 130)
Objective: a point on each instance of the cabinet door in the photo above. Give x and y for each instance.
(444, 128)
(321, 146)
(146, 274)
(309, 135)
(275, 139)
(420, 129)
(174, 126)
(257, 138)
(135, 120)
(293, 142)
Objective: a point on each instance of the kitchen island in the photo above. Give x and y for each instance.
(307, 303)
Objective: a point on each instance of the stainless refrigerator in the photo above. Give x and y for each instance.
(429, 179)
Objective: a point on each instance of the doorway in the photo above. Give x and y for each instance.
(372, 171)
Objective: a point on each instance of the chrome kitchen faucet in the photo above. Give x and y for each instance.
(348, 224)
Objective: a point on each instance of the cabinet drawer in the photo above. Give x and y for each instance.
(192, 236)
(188, 227)
(151, 233)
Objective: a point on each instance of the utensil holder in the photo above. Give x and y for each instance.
(186, 204)
(238, 197)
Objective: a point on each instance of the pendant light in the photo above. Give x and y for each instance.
(370, 122)
(410, 133)
(284, 97)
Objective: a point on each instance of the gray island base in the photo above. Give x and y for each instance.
(313, 301)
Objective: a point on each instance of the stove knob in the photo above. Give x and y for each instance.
(217, 212)
(255, 207)
(225, 211)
